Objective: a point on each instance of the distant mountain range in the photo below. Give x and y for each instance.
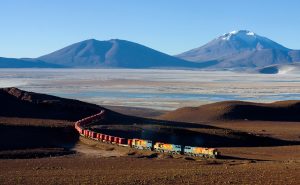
(114, 54)
(25, 63)
(242, 50)
(280, 69)
(237, 50)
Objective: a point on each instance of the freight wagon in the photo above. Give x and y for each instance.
(141, 143)
(122, 141)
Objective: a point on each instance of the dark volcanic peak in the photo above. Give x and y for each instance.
(242, 49)
(113, 53)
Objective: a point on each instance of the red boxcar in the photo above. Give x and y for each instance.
(111, 138)
(94, 135)
(102, 136)
(122, 141)
(98, 136)
(129, 142)
(116, 140)
(106, 137)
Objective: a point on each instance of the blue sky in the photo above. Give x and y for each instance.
(33, 28)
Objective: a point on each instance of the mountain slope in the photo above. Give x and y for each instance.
(280, 69)
(23, 104)
(113, 53)
(25, 63)
(242, 49)
(238, 110)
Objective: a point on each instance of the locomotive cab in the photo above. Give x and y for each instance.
(142, 144)
(215, 153)
(169, 148)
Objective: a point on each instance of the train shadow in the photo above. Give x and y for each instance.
(189, 137)
(19, 141)
(226, 157)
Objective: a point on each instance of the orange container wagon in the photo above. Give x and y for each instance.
(129, 142)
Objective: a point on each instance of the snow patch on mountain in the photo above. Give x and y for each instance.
(242, 49)
(245, 34)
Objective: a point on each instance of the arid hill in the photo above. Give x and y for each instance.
(18, 103)
(43, 121)
(23, 104)
(238, 110)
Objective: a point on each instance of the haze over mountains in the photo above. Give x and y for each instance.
(237, 50)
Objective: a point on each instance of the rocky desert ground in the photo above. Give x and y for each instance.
(40, 146)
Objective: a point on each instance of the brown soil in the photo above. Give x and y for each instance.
(14, 137)
(136, 111)
(281, 130)
(101, 163)
(191, 135)
(39, 141)
(237, 110)
(18, 103)
(82, 169)
(34, 153)
(34, 131)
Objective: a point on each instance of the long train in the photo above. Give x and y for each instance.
(141, 143)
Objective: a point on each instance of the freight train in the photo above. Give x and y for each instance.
(82, 127)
